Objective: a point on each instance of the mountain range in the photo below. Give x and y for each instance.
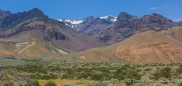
(32, 34)
(90, 25)
(123, 26)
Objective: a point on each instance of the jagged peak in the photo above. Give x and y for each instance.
(154, 15)
(36, 10)
(14, 19)
(123, 16)
(90, 18)
(123, 12)
(4, 13)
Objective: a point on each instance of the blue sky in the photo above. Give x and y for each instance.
(78, 9)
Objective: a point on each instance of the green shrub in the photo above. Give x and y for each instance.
(67, 84)
(33, 83)
(147, 69)
(26, 81)
(47, 77)
(88, 84)
(22, 83)
(179, 70)
(10, 57)
(91, 83)
(50, 83)
(165, 72)
(179, 83)
(97, 77)
(9, 69)
(16, 84)
(128, 82)
(105, 83)
(8, 83)
(6, 78)
(158, 84)
(141, 84)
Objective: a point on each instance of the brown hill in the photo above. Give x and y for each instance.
(25, 48)
(128, 25)
(150, 46)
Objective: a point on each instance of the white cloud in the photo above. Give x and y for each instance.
(160, 7)
(154, 8)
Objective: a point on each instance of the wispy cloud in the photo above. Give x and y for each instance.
(160, 7)
(155, 8)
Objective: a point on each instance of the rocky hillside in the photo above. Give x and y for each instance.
(123, 16)
(149, 46)
(3, 14)
(128, 25)
(12, 20)
(180, 23)
(38, 33)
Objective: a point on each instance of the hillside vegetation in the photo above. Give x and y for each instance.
(149, 46)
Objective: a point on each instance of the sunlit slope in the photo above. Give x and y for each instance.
(150, 46)
(25, 46)
(176, 33)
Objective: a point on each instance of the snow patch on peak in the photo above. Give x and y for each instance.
(104, 17)
(110, 17)
(67, 24)
(115, 18)
(71, 21)
(60, 19)
(75, 21)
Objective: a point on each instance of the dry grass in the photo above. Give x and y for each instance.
(148, 46)
(59, 82)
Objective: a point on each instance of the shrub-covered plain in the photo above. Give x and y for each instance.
(29, 72)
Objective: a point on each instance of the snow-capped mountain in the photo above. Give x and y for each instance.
(110, 17)
(90, 25)
(71, 23)
(74, 22)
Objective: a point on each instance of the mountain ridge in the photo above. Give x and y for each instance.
(42, 35)
(123, 29)
(90, 25)
(124, 26)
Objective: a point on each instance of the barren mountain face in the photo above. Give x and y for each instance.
(127, 25)
(53, 36)
(149, 46)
